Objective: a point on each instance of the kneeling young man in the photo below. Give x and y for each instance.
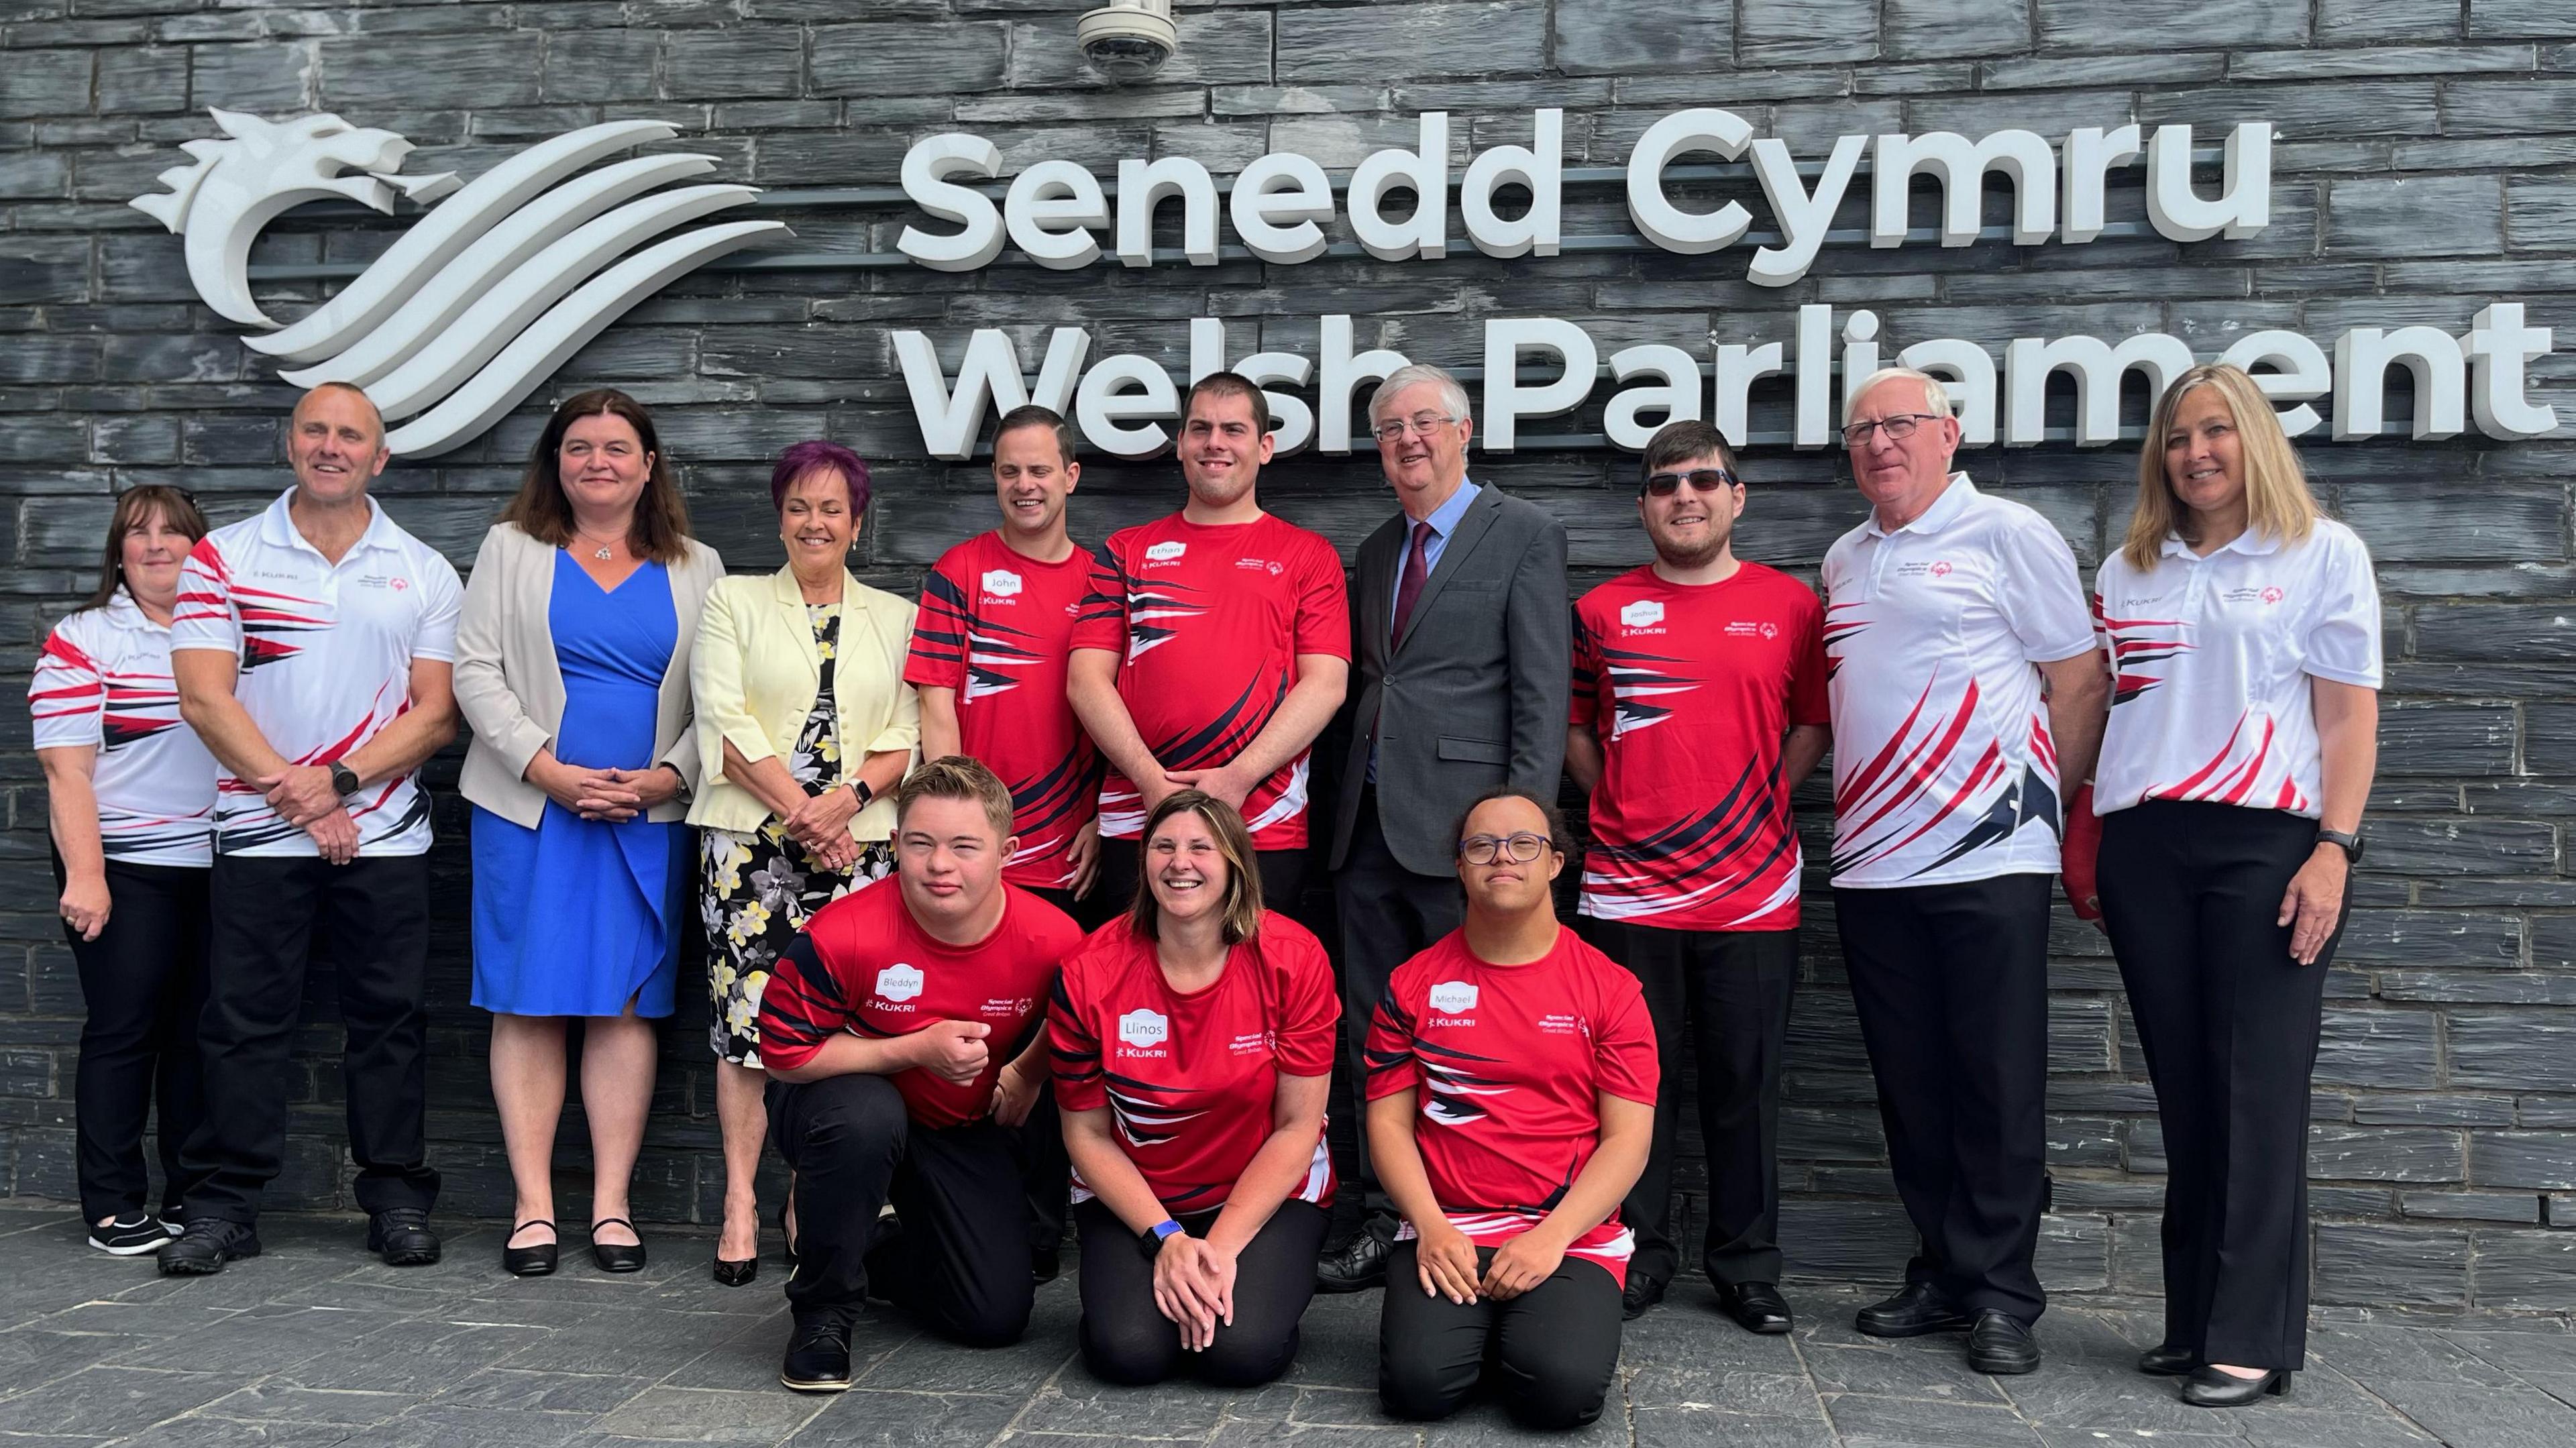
(1511, 1085)
(885, 1030)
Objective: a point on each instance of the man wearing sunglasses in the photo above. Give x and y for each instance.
(1698, 704)
(1965, 687)
(1460, 629)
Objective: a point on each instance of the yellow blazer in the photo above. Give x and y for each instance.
(755, 673)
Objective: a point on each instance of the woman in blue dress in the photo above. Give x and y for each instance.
(573, 670)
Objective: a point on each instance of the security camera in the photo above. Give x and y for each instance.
(1128, 40)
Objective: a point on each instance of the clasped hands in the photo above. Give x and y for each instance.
(1222, 782)
(1194, 1287)
(609, 796)
(1445, 1261)
(303, 797)
(821, 823)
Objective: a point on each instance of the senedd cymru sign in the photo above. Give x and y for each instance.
(474, 306)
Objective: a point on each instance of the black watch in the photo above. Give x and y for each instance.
(1151, 1239)
(859, 791)
(2350, 844)
(344, 780)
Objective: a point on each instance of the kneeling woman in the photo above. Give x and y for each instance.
(1511, 1088)
(1193, 1053)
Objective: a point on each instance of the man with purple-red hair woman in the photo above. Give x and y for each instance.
(805, 726)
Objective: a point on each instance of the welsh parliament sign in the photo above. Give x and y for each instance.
(476, 304)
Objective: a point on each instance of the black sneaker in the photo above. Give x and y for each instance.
(206, 1245)
(174, 1218)
(818, 1354)
(401, 1236)
(131, 1235)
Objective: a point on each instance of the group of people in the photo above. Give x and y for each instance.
(1002, 895)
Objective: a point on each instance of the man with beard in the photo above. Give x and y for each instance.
(1698, 703)
(1212, 648)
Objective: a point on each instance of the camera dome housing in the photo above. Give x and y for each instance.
(1128, 40)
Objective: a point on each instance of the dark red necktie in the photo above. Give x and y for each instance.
(1417, 567)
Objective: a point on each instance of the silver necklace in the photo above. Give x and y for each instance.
(603, 552)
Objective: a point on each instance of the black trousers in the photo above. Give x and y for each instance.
(1730, 990)
(2229, 1021)
(1283, 878)
(1951, 986)
(1389, 915)
(143, 982)
(369, 921)
(1552, 1350)
(1127, 1339)
(959, 1261)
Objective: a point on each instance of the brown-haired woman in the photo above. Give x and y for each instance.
(2244, 634)
(572, 667)
(1193, 1041)
(130, 793)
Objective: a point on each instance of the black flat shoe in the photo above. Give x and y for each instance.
(736, 1274)
(1757, 1307)
(2210, 1388)
(818, 1355)
(612, 1256)
(2165, 1360)
(2001, 1344)
(1639, 1296)
(536, 1261)
(1913, 1312)
(1359, 1266)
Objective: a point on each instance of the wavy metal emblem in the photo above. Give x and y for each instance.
(471, 309)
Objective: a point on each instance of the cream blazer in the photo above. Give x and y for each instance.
(511, 689)
(756, 672)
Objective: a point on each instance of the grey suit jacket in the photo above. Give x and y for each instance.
(1475, 694)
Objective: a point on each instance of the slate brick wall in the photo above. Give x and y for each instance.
(2427, 165)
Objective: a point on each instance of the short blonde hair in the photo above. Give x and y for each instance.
(957, 777)
(1243, 905)
(2279, 505)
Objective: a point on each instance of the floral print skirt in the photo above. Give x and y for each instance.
(756, 890)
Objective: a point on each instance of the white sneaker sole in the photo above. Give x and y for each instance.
(136, 1249)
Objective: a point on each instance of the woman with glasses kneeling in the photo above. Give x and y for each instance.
(2244, 634)
(1511, 1099)
(1193, 1052)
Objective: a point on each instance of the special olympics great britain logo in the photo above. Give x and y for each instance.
(474, 306)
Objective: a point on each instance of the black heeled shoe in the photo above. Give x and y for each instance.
(2210, 1388)
(736, 1274)
(2165, 1360)
(613, 1256)
(536, 1261)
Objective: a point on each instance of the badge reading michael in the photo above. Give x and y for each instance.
(1450, 997)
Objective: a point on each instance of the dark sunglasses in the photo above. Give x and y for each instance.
(1702, 480)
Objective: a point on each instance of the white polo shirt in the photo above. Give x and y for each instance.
(103, 682)
(2211, 659)
(1944, 770)
(326, 652)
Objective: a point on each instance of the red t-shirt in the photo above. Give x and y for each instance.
(1509, 1062)
(1208, 623)
(1190, 1079)
(996, 627)
(1689, 689)
(862, 965)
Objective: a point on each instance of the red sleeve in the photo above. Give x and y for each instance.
(1623, 1038)
(801, 1007)
(1807, 698)
(938, 656)
(1310, 1007)
(1582, 700)
(1323, 605)
(1102, 624)
(1388, 1057)
(1074, 1050)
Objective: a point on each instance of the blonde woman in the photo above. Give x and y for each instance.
(805, 726)
(2244, 635)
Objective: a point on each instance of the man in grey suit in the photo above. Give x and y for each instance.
(1463, 639)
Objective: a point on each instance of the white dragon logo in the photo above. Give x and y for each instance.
(469, 310)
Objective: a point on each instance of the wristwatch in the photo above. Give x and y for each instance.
(2350, 844)
(859, 791)
(681, 792)
(1151, 1239)
(344, 780)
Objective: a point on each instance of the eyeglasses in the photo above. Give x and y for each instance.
(1701, 480)
(1522, 848)
(1422, 423)
(1899, 428)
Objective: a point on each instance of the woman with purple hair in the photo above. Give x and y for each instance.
(805, 726)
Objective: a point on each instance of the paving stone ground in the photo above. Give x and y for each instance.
(315, 1344)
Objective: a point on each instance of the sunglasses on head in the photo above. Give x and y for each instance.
(1702, 480)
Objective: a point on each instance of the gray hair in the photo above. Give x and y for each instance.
(1453, 398)
(1936, 398)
